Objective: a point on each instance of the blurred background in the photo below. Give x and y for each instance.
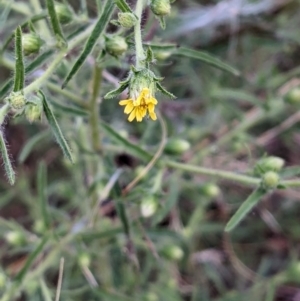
(164, 239)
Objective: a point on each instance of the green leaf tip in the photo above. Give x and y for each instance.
(6, 161)
(61, 42)
(97, 31)
(244, 209)
(19, 77)
(55, 128)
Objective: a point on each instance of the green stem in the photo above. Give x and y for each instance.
(94, 109)
(140, 54)
(291, 183)
(52, 67)
(251, 181)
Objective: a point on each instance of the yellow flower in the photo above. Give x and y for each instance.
(139, 107)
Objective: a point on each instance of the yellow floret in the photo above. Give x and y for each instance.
(138, 108)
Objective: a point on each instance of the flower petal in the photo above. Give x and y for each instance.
(132, 115)
(124, 102)
(152, 100)
(151, 107)
(139, 114)
(128, 108)
(153, 115)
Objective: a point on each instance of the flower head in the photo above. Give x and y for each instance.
(141, 105)
(142, 85)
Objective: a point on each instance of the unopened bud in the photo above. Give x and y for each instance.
(84, 259)
(293, 96)
(116, 45)
(17, 100)
(148, 206)
(270, 180)
(271, 163)
(162, 55)
(161, 7)
(63, 12)
(127, 19)
(176, 146)
(173, 252)
(211, 190)
(33, 112)
(31, 43)
(15, 238)
(39, 226)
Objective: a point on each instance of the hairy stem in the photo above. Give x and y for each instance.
(140, 55)
(247, 180)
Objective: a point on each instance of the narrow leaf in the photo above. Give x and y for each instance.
(123, 6)
(121, 211)
(97, 31)
(56, 129)
(19, 65)
(6, 161)
(33, 255)
(3, 112)
(162, 22)
(128, 146)
(42, 193)
(250, 202)
(30, 68)
(164, 91)
(207, 58)
(161, 47)
(116, 92)
(61, 41)
(290, 171)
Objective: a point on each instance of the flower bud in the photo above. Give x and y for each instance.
(84, 259)
(271, 163)
(293, 96)
(15, 238)
(116, 45)
(161, 7)
(64, 13)
(173, 252)
(127, 19)
(211, 190)
(162, 55)
(31, 43)
(270, 180)
(176, 146)
(39, 226)
(17, 100)
(33, 112)
(148, 206)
